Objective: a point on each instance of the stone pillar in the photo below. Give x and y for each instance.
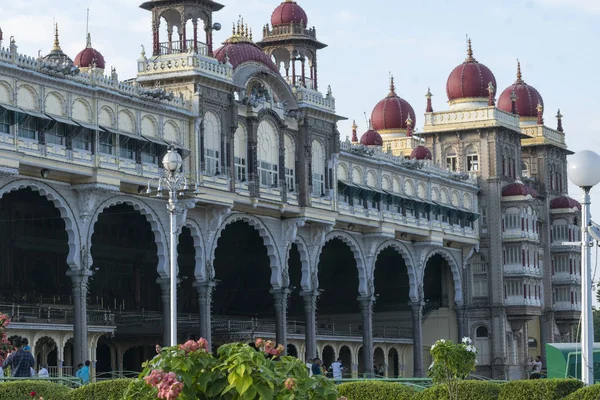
(417, 320)
(205, 302)
(310, 322)
(79, 279)
(281, 298)
(166, 303)
(460, 321)
(366, 310)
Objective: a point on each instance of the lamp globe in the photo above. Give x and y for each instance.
(172, 161)
(584, 168)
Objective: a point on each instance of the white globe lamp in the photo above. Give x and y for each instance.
(584, 168)
(172, 161)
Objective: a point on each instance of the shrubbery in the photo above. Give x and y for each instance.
(539, 389)
(33, 389)
(376, 390)
(467, 390)
(586, 393)
(104, 390)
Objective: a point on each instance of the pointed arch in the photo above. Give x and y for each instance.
(453, 263)
(152, 218)
(413, 277)
(265, 234)
(199, 246)
(306, 279)
(352, 243)
(71, 227)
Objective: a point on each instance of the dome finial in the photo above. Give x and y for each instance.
(409, 123)
(428, 96)
(469, 51)
(519, 75)
(392, 86)
(354, 135)
(540, 113)
(56, 46)
(491, 94)
(88, 42)
(513, 101)
(559, 116)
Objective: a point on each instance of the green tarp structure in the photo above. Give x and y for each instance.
(563, 360)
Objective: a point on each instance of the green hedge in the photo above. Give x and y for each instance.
(586, 393)
(104, 390)
(539, 389)
(19, 390)
(468, 390)
(376, 390)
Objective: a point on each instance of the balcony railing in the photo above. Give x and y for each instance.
(298, 81)
(180, 46)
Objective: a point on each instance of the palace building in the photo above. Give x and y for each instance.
(365, 247)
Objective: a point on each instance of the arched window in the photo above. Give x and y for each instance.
(240, 146)
(481, 332)
(212, 142)
(472, 160)
(290, 163)
(483, 345)
(451, 160)
(318, 168)
(268, 154)
(479, 271)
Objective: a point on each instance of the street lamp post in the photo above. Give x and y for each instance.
(584, 171)
(172, 186)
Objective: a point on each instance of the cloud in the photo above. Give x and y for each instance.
(346, 16)
(592, 6)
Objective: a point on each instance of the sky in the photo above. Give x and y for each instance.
(419, 42)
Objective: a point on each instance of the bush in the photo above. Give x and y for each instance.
(376, 390)
(586, 393)
(22, 389)
(104, 390)
(539, 389)
(467, 390)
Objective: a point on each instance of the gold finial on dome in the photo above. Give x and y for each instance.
(241, 32)
(354, 126)
(519, 75)
(56, 46)
(470, 57)
(392, 86)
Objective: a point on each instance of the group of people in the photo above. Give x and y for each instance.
(21, 361)
(316, 367)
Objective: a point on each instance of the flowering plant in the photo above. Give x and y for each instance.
(452, 362)
(5, 346)
(189, 371)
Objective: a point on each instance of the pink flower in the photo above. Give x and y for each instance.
(279, 350)
(203, 343)
(290, 383)
(189, 346)
(155, 377)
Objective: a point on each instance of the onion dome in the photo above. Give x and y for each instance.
(371, 138)
(469, 80)
(564, 202)
(391, 113)
(56, 55)
(518, 189)
(240, 49)
(528, 98)
(421, 153)
(89, 57)
(288, 12)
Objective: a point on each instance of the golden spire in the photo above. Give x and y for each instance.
(56, 46)
(469, 51)
(519, 75)
(392, 86)
(233, 30)
(250, 37)
(354, 126)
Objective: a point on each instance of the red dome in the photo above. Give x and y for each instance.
(470, 79)
(392, 112)
(564, 202)
(421, 153)
(527, 101)
(89, 56)
(244, 51)
(288, 12)
(371, 138)
(518, 189)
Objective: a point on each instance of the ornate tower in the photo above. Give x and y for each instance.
(176, 14)
(291, 43)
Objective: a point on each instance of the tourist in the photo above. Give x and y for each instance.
(309, 365)
(43, 372)
(316, 367)
(20, 362)
(381, 370)
(84, 372)
(337, 369)
(536, 372)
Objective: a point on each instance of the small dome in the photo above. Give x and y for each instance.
(518, 189)
(240, 48)
(421, 153)
(371, 138)
(89, 57)
(56, 55)
(469, 80)
(288, 12)
(564, 202)
(392, 112)
(527, 100)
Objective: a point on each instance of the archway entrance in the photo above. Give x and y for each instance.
(34, 249)
(45, 352)
(295, 302)
(393, 363)
(439, 316)
(346, 357)
(328, 356)
(187, 301)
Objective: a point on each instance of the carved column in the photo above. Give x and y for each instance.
(205, 290)
(155, 35)
(281, 299)
(417, 320)
(79, 280)
(166, 303)
(303, 61)
(310, 321)
(366, 310)
(460, 321)
(195, 24)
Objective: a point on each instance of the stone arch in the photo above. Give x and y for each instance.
(363, 275)
(265, 234)
(386, 182)
(6, 92)
(372, 179)
(446, 255)
(71, 227)
(342, 172)
(467, 203)
(149, 126)
(409, 187)
(306, 279)
(422, 191)
(28, 97)
(408, 260)
(396, 185)
(127, 121)
(455, 200)
(357, 176)
(444, 196)
(171, 131)
(199, 245)
(81, 110)
(435, 194)
(106, 117)
(55, 104)
(160, 239)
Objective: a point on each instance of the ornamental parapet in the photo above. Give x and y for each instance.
(184, 63)
(312, 99)
(467, 119)
(540, 134)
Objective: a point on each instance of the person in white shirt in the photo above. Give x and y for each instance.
(309, 366)
(536, 372)
(337, 368)
(43, 372)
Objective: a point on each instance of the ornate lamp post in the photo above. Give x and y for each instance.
(173, 186)
(584, 171)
